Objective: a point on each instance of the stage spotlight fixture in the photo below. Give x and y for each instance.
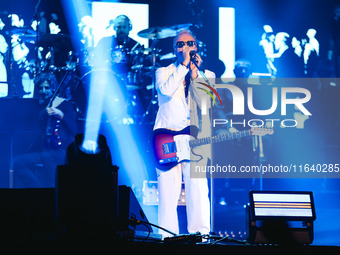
(88, 153)
(90, 147)
(86, 188)
(280, 217)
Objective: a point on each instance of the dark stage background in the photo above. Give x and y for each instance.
(230, 195)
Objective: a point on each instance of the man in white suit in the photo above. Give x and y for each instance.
(177, 109)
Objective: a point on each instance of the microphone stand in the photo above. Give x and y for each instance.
(37, 18)
(212, 221)
(201, 71)
(153, 87)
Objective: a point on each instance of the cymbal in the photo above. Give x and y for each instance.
(132, 87)
(53, 39)
(157, 33)
(22, 30)
(162, 32)
(181, 26)
(168, 56)
(29, 38)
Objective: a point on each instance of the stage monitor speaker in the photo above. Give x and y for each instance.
(280, 217)
(130, 212)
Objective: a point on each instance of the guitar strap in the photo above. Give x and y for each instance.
(188, 81)
(187, 84)
(195, 110)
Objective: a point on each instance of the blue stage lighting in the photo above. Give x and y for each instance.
(90, 147)
(106, 95)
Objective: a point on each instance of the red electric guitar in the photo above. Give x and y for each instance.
(172, 147)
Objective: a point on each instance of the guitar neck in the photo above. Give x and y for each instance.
(219, 138)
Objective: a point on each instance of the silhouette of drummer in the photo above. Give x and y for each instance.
(116, 50)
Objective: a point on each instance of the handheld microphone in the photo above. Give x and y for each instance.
(192, 54)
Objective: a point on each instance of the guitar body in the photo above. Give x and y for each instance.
(166, 143)
(172, 147)
(52, 136)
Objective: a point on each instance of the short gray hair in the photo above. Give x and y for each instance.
(182, 32)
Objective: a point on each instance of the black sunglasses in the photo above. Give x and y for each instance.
(180, 44)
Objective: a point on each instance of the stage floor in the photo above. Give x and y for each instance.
(108, 245)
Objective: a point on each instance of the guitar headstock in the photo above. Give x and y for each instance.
(261, 131)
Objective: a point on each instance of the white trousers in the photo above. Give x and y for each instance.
(196, 195)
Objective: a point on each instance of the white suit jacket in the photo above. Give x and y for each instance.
(174, 108)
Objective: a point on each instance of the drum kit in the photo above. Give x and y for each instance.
(30, 54)
(139, 81)
(53, 53)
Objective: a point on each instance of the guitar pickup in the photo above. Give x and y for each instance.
(169, 148)
(168, 160)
